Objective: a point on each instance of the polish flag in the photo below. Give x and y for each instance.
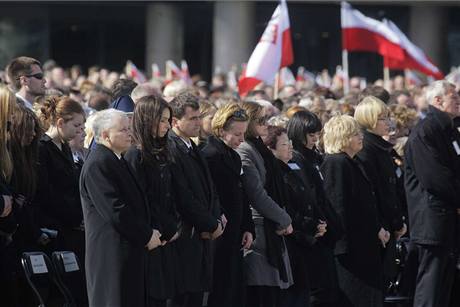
(273, 52)
(286, 77)
(132, 71)
(156, 74)
(414, 57)
(361, 33)
(172, 71)
(185, 73)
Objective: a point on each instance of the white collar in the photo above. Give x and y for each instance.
(187, 142)
(27, 103)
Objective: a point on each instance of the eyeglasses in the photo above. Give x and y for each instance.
(38, 76)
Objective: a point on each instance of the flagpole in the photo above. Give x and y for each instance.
(386, 78)
(346, 86)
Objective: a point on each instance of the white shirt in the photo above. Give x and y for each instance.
(27, 103)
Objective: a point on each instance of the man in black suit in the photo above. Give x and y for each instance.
(197, 203)
(117, 219)
(432, 189)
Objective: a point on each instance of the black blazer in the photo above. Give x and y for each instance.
(199, 209)
(309, 162)
(350, 192)
(432, 180)
(225, 168)
(378, 163)
(58, 196)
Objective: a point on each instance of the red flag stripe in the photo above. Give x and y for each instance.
(361, 39)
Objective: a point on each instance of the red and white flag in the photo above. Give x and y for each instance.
(414, 57)
(172, 71)
(286, 77)
(185, 73)
(134, 73)
(273, 52)
(156, 74)
(361, 33)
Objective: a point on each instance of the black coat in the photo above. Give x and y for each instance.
(350, 192)
(155, 180)
(117, 228)
(58, 197)
(309, 162)
(225, 167)
(432, 180)
(378, 165)
(320, 259)
(199, 209)
(303, 210)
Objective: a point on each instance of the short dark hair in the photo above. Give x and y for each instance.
(182, 101)
(122, 87)
(18, 67)
(301, 124)
(99, 102)
(273, 133)
(376, 91)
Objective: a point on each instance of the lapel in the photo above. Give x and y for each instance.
(124, 164)
(204, 166)
(227, 155)
(65, 154)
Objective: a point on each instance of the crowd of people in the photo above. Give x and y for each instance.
(176, 194)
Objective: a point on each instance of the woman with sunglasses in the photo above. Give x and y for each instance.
(228, 127)
(267, 262)
(151, 160)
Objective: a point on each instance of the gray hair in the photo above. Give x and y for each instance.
(437, 89)
(105, 120)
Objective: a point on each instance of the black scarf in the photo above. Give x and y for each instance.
(277, 190)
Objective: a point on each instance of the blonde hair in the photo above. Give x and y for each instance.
(338, 132)
(206, 108)
(368, 111)
(89, 133)
(225, 116)
(7, 106)
(404, 116)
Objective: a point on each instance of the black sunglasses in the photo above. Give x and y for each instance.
(38, 76)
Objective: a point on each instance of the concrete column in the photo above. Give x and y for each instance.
(24, 33)
(428, 30)
(164, 35)
(233, 34)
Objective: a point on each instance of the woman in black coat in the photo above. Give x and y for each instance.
(229, 125)
(150, 159)
(376, 157)
(58, 196)
(350, 192)
(304, 129)
(307, 222)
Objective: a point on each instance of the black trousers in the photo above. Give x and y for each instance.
(194, 299)
(435, 276)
